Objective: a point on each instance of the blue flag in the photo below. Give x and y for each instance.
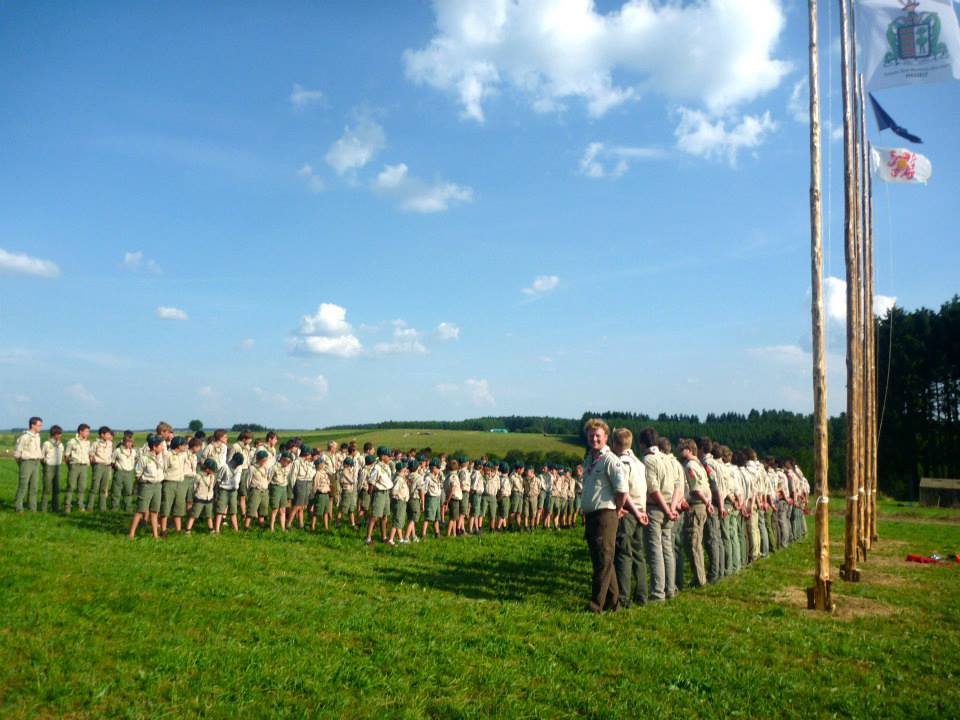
(884, 122)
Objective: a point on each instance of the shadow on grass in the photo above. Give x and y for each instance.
(109, 523)
(550, 574)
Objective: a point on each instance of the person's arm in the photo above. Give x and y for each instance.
(640, 515)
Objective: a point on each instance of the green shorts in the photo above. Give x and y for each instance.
(398, 513)
(244, 489)
(149, 497)
(226, 502)
(365, 500)
(453, 510)
(202, 509)
(191, 481)
(431, 512)
(503, 507)
(476, 505)
(301, 493)
(321, 503)
(576, 504)
(278, 496)
(258, 502)
(413, 509)
(516, 502)
(174, 498)
(530, 505)
(348, 501)
(540, 500)
(555, 504)
(381, 503)
(490, 506)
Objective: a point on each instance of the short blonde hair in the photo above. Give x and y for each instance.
(164, 427)
(687, 444)
(622, 437)
(596, 423)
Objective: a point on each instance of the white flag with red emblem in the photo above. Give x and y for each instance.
(908, 42)
(898, 165)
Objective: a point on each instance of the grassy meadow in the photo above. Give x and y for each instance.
(305, 625)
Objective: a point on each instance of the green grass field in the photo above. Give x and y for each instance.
(94, 625)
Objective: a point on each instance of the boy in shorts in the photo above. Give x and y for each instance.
(151, 480)
(228, 480)
(203, 495)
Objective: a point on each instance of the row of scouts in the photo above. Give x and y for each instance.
(266, 484)
(721, 509)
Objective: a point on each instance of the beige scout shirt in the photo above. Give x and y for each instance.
(603, 478)
(125, 458)
(77, 451)
(260, 477)
(696, 479)
(531, 486)
(280, 475)
(245, 450)
(434, 484)
(101, 452)
(636, 474)
(52, 452)
(28, 447)
(381, 478)
(401, 491)
(454, 489)
(517, 480)
(348, 478)
(659, 474)
(173, 466)
(204, 487)
(151, 469)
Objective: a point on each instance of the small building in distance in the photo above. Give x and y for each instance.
(939, 492)
(499, 430)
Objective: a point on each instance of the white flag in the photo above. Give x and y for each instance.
(897, 165)
(908, 42)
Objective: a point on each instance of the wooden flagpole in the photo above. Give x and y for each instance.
(818, 597)
(849, 571)
(866, 321)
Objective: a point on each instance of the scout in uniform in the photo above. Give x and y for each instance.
(381, 482)
(784, 505)
(531, 498)
(658, 533)
(476, 496)
(516, 496)
(399, 494)
(124, 473)
(465, 475)
(322, 482)
(150, 476)
(244, 446)
(700, 506)
(491, 488)
(546, 496)
(728, 528)
(416, 501)
(191, 468)
(77, 457)
(503, 499)
(713, 542)
(364, 489)
(628, 560)
(301, 476)
(678, 505)
(332, 461)
(101, 460)
(28, 453)
(258, 487)
(52, 450)
(454, 493)
(348, 490)
(433, 489)
(279, 476)
(203, 495)
(174, 494)
(228, 480)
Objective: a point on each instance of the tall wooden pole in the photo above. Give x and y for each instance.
(870, 343)
(818, 597)
(866, 317)
(849, 571)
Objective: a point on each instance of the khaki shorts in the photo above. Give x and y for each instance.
(258, 502)
(226, 502)
(149, 497)
(381, 503)
(278, 496)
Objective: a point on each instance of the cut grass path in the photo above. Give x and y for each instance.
(320, 625)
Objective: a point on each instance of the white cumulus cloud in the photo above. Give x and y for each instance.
(404, 339)
(601, 160)
(479, 392)
(835, 301)
(80, 392)
(417, 195)
(344, 346)
(356, 147)
(799, 103)
(314, 182)
(170, 313)
(447, 331)
(135, 261)
(300, 97)
(701, 135)
(326, 332)
(715, 52)
(23, 264)
(542, 284)
(330, 319)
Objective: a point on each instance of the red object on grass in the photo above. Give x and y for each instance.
(921, 559)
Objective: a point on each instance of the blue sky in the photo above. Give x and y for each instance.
(302, 214)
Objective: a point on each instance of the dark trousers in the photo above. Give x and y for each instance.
(601, 534)
(629, 562)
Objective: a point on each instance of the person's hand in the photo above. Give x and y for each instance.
(672, 515)
(620, 513)
(643, 519)
(789, 501)
(724, 513)
(709, 509)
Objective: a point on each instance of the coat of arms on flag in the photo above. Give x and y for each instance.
(898, 165)
(909, 42)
